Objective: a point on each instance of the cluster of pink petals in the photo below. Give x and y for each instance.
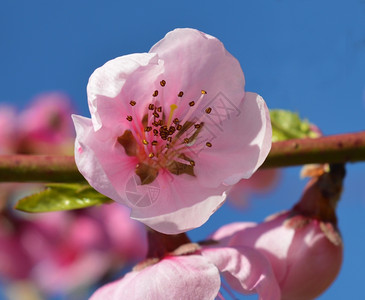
(211, 132)
(305, 262)
(62, 251)
(197, 276)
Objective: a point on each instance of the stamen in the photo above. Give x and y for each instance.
(180, 94)
(144, 142)
(151, 107)
(151, 155)
(209, 144)
(155, 93)
(133, 103)
(192, 103)
(154, 143)
(192, 163)
(162, 82)
(204, 92)
(208, 110)
(191, 111)
(129, 118)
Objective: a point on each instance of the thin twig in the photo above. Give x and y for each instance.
(339, 148)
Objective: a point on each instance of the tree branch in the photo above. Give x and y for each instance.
(339, 148)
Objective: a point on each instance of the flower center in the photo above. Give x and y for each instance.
(160, 140)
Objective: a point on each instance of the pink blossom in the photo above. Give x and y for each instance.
(46, 126)
(196, 276)
(171, 130)
(304, 260)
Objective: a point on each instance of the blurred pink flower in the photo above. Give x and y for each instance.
(15, 262)
(260, 182)
(8, 130)
(62, 251)
(171, 130)
(45, 127)
(196, 276)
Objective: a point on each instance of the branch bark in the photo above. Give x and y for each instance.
(339, 148)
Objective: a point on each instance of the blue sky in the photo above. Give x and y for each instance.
(306, 56)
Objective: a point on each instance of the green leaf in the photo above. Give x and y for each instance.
(62, 196)
(287, 125)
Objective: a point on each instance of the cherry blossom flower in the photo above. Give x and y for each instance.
(196, 276)
(171, 130)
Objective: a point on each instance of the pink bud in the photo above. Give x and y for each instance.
(303, 245)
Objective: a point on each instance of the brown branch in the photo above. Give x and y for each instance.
(339, 148)
(38, 168)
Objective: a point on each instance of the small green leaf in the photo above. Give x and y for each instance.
(287, 125)
(62, 196)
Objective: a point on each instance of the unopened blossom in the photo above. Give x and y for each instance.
(196, 276)
(171, 130)
(302, 245)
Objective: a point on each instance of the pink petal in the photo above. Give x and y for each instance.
(112, 86)
(241, 146)
(181, 277)
(246, 270)
(177, 203)
(196, 61)
(87, 160)
(272, 239)
(313, 264)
